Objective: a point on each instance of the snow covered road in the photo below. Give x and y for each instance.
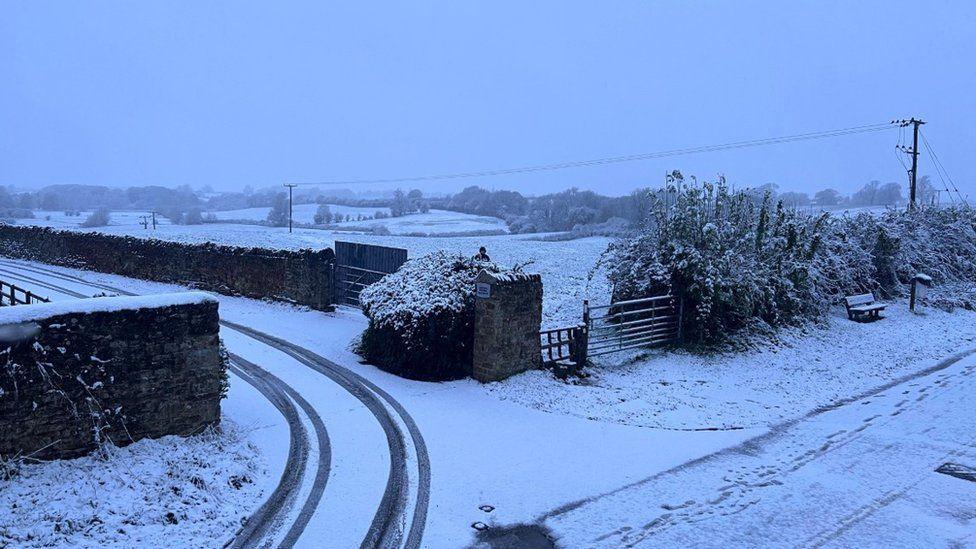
(858, 474)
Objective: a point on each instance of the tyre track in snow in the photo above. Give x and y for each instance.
(262, 527)
(390, 520)
(386, 529)
(270, 517)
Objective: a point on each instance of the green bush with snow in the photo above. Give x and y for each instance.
(421, 318)
(736, 260)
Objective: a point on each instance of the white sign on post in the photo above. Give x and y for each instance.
(920, 291)
(482, 290)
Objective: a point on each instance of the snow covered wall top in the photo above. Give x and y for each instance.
(303, 277)
(41, 311)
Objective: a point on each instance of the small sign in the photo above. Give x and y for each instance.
(482, 290)
(920, 291)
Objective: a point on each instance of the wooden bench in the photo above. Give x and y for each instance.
(862, 307)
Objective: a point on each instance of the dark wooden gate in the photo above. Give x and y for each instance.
(359, 265)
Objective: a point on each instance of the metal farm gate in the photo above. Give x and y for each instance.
(612, 328)
(359, 265)
(633, 323)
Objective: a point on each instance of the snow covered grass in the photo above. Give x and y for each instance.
(804, 369)
(433, 222)
(301, 213)
(118, 220)
(167, 492)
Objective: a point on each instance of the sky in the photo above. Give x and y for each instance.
(229, 94)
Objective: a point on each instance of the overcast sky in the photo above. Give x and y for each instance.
(236, 93)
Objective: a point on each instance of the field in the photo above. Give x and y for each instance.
(434, 222)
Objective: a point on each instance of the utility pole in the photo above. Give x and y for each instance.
(914, 123)
(290, 187)
(153, 219)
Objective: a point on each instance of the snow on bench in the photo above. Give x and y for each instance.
(862, 306)
(41, 311)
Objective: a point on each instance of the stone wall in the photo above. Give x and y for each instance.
(507, 319)
(303, 277)
(118, 369)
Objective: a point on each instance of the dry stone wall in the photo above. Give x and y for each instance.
(303, 277)
(112, 369)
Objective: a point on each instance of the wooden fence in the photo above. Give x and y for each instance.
(14, 295)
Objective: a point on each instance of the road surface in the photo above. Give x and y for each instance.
(857, 474)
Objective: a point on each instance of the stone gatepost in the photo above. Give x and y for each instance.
(507, 320)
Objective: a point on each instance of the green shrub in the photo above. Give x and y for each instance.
(421, 318)
(733, 259)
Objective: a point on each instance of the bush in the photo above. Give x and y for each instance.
(193, 216)
(322, 214)
(278, 216)
(940, 242)
(733, 262)
(421, 318)
(98, 218)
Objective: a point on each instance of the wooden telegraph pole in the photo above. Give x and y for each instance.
(914, 123)
(290, 187)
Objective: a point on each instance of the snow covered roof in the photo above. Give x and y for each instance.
(40, 311)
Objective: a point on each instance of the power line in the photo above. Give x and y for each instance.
(619, 159)
(941, 168)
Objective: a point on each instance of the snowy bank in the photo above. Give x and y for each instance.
(167, 492)
(804, 369)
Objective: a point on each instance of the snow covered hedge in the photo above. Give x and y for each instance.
(737, 260)
(940, 242)
(421, 318)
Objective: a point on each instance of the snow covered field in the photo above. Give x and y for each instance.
(432, 223)
(302, 213)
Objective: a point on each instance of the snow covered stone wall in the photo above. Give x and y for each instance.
(507, 319)
(76, 374)
(303, 277)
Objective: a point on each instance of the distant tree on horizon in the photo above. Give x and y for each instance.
(278, 216)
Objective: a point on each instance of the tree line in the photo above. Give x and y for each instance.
(573, 208)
